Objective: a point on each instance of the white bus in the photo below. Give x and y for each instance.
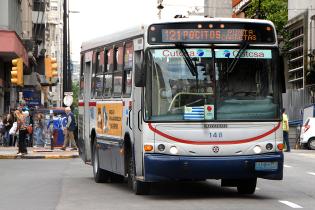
(187, 99)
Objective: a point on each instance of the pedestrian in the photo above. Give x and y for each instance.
(285, 128)
(21, 128)
(38, 127)
(69, 129)
(8, 123)
(2, 132)
(13, 131)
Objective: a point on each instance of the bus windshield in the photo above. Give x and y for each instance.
(219, 84)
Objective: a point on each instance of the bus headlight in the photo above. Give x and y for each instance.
(173, 150)
(257, 149)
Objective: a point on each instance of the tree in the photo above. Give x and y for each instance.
(275, 11)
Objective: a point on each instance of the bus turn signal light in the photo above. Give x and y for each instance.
(148, 148)
(280, 146)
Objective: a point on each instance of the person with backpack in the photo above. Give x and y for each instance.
(69, 130)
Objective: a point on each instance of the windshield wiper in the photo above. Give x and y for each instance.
(189, 62)
(243, 46)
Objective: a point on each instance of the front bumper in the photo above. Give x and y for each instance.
(158, 167)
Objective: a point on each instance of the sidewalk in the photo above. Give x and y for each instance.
(37, 153)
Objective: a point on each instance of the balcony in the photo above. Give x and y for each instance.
(38, 17)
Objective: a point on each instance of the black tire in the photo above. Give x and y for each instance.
(138, 187)
(247, 186)
(116, 178)
(100, 175)
(311, 144)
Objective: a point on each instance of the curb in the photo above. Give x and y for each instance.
(39, 157)
(8, 157)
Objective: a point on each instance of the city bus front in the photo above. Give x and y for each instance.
(212, 103)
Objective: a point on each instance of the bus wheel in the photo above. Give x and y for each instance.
(100, 175)
(311, 143)
(139, 188)
(247, 186)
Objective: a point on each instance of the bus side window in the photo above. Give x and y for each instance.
(81, 78)
(109, 73)
(127, 72)
(93, 75)
(99, 79)
(118, 66)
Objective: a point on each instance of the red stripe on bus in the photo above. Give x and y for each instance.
(92, 103)
(240, 141)
(81, 103)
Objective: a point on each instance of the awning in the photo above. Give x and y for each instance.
(11, 46)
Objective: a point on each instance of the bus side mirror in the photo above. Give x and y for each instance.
(139, 70)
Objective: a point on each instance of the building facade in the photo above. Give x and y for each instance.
(31, 30)
(218, 8)
(239, 7)
(54, 45)
(300, 86)
(11, 47)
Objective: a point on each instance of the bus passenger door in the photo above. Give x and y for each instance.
(137, 113)
(87, 112)
(80, 122)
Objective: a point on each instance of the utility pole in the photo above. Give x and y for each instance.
(65, 51)
(69, 82)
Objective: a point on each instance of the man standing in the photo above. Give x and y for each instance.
(69, 129)
(285, 128)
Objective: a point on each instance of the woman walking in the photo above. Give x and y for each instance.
(21, 127)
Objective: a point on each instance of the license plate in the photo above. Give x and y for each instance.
(266, 166)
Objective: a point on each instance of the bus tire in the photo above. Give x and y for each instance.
(100, 175)
(311, 144)
(138, 187)
(247, 186)
(116, 178)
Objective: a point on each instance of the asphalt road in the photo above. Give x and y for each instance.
(68, 184)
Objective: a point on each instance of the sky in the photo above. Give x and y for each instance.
(101, 17)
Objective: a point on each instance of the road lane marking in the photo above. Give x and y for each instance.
(311, 173)
(287, 166)
(292, 205)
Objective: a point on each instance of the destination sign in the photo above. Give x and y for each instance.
(218, 32)
(204, 35)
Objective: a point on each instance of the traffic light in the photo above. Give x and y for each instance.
(17, 72)
(51, 67)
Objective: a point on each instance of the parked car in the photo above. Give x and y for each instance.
(307, 137)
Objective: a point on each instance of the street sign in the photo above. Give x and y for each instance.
(68, 100)
(68, 93)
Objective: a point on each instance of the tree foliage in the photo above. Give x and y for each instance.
(273, 10)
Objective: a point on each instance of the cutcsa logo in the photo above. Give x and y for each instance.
(200, 53)
(227, 53)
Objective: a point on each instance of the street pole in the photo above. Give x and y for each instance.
(69, 58)
(65, 52)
